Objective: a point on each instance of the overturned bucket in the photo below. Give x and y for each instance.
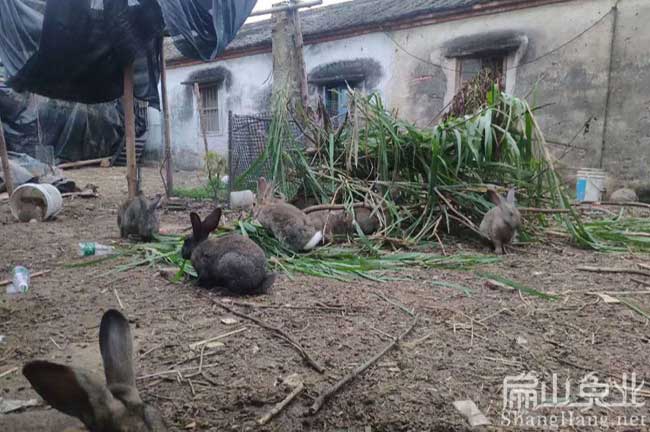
(35, 201)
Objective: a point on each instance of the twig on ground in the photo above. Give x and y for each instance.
(275, 330)
(614, 270)
(325, 396)
(640, 282)
(195, 345)
(173, 371)
(117, 296)
(406, 310)
(8, 372)
(281, 405)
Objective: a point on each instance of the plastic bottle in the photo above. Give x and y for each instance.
(20, 281)
(92, 248)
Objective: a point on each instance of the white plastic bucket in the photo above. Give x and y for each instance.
(590, 185)
(242, 199)
(35, 201)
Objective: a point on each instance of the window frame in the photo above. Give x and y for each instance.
(481, 57)
(211, 110)
(335, 85)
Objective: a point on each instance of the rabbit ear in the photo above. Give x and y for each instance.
(154, 203)
(72, 391)
(511, 196)
(116, 347)
(494, 197)
(197, 226)
(212, 221)
(261, 187)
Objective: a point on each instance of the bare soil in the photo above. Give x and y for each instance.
(463, 347)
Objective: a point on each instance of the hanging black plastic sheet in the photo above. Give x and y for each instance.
(74, 131)
(202, 29)
(77, 50)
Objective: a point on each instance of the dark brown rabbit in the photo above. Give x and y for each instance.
(288, 224)
(233, 262)
(500, 224)
(138, 219)
(113, 406)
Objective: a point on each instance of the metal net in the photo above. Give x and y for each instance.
(248, 135)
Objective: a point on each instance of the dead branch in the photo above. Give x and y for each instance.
(281, 405)
(543, 210)
(325, 396)
(614, 270)
(463, 219)
(622, 204)
(275, 330)
(335, 207)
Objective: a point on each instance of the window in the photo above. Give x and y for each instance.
(336, 97)
(469, 67)
(210, 102)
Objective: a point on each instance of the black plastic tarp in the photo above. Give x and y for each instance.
(73, 131)
(77, 50)
(201, 29)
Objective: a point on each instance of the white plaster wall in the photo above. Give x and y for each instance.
(249, 86)
(417, 79)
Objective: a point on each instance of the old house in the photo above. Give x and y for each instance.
(584, 61)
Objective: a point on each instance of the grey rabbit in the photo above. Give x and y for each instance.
(340, 223)
(137, 218)
(114, 406)
(288, 223)
(233, 262)
(500, 224)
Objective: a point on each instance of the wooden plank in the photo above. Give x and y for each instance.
(103, 162)
(4, 155)
(129, 131)
(167, 155)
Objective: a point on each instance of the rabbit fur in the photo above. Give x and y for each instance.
(137, 218)
(113, 406)
(233, 262)
(288, 224)
(500, 223)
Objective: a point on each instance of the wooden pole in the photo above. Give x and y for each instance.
(129, 131)
(199, 103)
(9, 184)
(169, 175)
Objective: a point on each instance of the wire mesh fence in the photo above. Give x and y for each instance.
(248, 135)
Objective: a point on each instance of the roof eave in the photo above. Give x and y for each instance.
(405, 22)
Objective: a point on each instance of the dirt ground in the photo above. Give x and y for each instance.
(462, 347)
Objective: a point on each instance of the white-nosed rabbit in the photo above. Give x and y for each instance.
(288, 224)
(114, 406)
(339, 223)
(500, 224)
(233, 262)
(137, 218)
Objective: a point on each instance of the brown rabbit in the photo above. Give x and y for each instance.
(500, 224)
(339, 223)
(287, 223)
(233, 262)
(114, 406)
